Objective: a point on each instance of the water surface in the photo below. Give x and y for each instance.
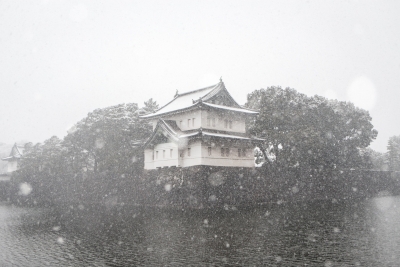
(321, 233)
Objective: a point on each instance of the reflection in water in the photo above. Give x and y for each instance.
(364, 233)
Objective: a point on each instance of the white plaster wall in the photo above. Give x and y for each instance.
(198, 156)
(162, 160)
(216, 159)
(238, 121)
(148, 159)
(200, 116)
(228, 162)
(12, 165)
(196, 114)
(195, 155)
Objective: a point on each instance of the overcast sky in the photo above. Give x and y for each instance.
(60, 60)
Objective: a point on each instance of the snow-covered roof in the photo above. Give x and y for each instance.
(171, 131)
(225, 135)
(191, 99)
(231, 108)
(183, 101)
(16, 152)
(231, 136)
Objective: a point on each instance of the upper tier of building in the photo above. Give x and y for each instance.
(208, 108)
(215, 96)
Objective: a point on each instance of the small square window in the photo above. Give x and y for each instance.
(193, 122)
(244, 152)
(226, 152)
(182, 153)
(163, 154)
(222, 152)
(209, 151)
(189, 152)
(170, 153)
(156, 154)
(188, 122)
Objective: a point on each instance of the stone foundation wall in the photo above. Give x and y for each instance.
(204, 187)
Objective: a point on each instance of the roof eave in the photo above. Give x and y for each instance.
(155, 116)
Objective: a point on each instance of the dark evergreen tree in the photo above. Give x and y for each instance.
(393, 153)
(310, 133)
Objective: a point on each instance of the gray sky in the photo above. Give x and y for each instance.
(60, 60)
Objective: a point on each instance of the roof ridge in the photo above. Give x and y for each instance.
(218, 87)
(197, 90)
(185, 93)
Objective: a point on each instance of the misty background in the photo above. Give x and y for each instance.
(63, 59)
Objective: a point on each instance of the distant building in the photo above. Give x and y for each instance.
(13, 158)
(200, 127)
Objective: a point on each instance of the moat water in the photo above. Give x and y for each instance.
(320, 233)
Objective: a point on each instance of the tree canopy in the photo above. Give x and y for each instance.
(101, 149)
(393, 153)
(310, 132)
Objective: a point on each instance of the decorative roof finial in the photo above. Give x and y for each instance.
(220, 79)
(176, 93)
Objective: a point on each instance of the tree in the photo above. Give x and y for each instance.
(310, 133)
(104, 140)
(41, 168)
(393, 153)
(99, 157)
(375, 159)
(150, 106)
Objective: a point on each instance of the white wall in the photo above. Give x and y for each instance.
(216, 159)
(238, 121)
(200, 116)
(198, 156)
(148, 159)
(195, 155)
(164, 158)
(196, 114)
(12, 165)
